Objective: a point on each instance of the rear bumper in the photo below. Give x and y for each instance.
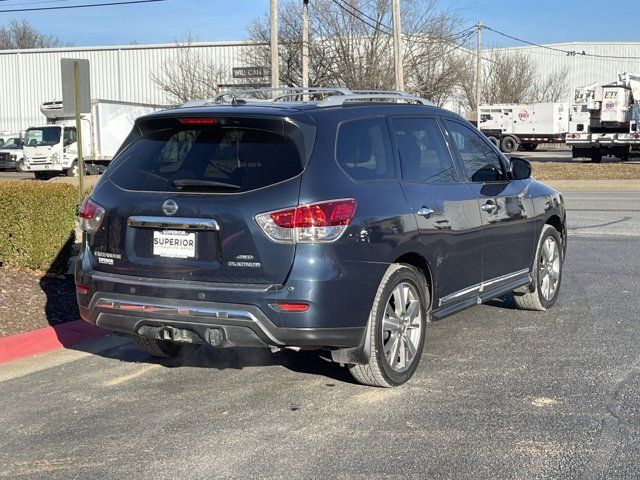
(339, 299)
(221, 324)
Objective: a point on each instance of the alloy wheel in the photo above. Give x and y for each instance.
(549, 269)
(402, 327)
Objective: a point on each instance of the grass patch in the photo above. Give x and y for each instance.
(586, 171)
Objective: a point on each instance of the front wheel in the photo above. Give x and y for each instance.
(547, 275)
(397, 324)
(73, 170)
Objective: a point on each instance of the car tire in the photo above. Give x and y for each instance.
(543, 291)
(42, 175)
(494, 140)
(390, 339)
(508, 144)
(164, 348)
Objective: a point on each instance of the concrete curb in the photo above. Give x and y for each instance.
(45, 339)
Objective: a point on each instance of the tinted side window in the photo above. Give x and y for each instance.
(481, 162)
(363, 149)
(422, 150)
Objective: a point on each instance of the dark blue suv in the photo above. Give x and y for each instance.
(343, 223)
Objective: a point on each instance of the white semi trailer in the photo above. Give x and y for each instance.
(52, 149)
(511, 126)
(605, 120)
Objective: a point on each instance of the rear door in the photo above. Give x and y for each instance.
(508, 231)
(446, 209)
(181, 198)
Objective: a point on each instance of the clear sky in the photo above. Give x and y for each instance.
(540, 21)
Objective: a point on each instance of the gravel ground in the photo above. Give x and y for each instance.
(29, 301)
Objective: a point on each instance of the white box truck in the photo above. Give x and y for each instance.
(52, 149)
(511, 126)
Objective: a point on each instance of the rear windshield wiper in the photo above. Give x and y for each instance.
(187, 182)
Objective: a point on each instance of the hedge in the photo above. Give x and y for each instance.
(37, 221)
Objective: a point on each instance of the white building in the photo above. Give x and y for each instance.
(30, 77)
(124, 72)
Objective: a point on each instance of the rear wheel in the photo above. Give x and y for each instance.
(397, 326)
(508, 145)
(494, 140)
(547, 274)
(163, 348)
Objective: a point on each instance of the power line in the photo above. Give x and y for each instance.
(571, 53)
(85, 5)
(359, 14)
(353, 14)
(377, 22)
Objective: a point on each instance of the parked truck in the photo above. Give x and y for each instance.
(511, 126)
(52, 149)
(605, 120)
(11, 151)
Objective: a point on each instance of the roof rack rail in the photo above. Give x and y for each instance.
(393, 97)
(277, 94)
(324, 96)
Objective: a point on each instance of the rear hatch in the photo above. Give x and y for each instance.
(181, 197)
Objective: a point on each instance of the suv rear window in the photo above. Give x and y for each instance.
(206, 158)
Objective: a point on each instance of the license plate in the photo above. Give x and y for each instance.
(174, 244)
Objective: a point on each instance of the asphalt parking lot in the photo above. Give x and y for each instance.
(500, 393)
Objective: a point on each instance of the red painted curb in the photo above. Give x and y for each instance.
(45, 339)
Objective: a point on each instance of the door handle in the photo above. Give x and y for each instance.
(489, 207)
(425, 211)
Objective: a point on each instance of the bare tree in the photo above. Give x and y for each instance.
(553, 88)
(189, 75)
(21, 34)
(511, 77)
(351, 45)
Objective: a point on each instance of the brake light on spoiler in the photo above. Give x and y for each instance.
(198, 121)
(312, 223)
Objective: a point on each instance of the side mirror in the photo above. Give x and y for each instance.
(520, 168)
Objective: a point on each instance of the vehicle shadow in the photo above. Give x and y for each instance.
(236, 358)
(61, 311)
(505, 301)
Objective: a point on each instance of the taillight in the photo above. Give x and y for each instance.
(90, 216)
(312, 223)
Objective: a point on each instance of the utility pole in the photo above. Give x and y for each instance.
(305, 44)
(397, 45)
(273, 23)
(478, 69)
